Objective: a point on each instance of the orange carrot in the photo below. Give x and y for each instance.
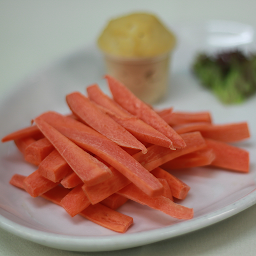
(87, 111)
(17, 180)
(98, 213)
(107, 150)
(198, 158)
(71, 181)
(114, 201)
(105, 189)
(228, 156)
(54, 167)
(138, 108)
(227, 132)
(134, 125)
(29, 131)
(36, 152)
(165, 112)
(167, 190)
(22, 143)
(160, 203)
(179, 117)
(107, 217)
(35, 184)
(155, 157)
(179, 188)
(191, 127)
(90, 170)
(75, 201)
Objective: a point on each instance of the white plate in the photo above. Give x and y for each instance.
(215, 194)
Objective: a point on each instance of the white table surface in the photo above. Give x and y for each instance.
(36, 33)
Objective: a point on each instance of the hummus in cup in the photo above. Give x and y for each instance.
(137, 50)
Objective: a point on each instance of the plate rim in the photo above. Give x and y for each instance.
(125, 241)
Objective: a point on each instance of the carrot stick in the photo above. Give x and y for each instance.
(35, 184)
(138, 108)
(164, 112)
(179, 188)
(105, 189)
(36, 152)
(87, 111)
(54, 195)
(179, 117)
(17, 180)
(107, 150)
(107, 217)
(198, 158)
(160, 203)
(167, 190)
(98, 213)
(71, 181)
(22, 143)
(191, 127)
(54, 167)
(227, 132)
(155, 157)
(90, 170)
(134, 125)
(114, 201)
(75, 201)
(29, 131)
(228, 156)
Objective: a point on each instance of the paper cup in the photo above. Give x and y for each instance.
(147, 78)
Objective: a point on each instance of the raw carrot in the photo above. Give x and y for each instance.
(75, 201)
(87, 111)
(191, 127)
(105, 189)
(198, 158)
(22, 143)
(17, 180)
(165, 112)
(227, 132)
(36, 152)
(29, 131)
(155, 157)
(138, 108)
(133, 124)
(54, 195)
(160, 203)
(98, 213)
(114, 201)
(54, 167)
(228, 156)
(90, 170)
(179, 117)
(71, 181)
(107, 150)
(107, 217)
(179, 188)
(167, 190)
(35, 184)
